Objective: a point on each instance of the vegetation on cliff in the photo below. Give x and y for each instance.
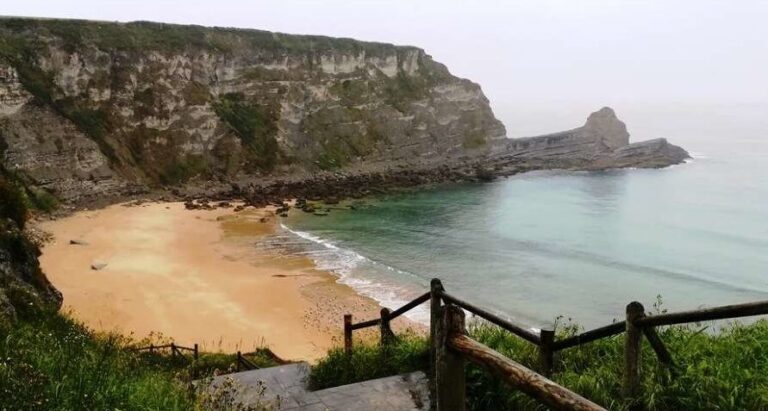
(255, 124)
(726, 370)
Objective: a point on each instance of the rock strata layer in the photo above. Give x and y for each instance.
(93, 110)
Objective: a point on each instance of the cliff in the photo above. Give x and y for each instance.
(89, 110)
(92, 108)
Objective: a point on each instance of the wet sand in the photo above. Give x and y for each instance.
(196, 277)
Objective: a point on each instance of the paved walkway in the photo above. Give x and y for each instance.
(284, 388)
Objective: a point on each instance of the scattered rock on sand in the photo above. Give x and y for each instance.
(98, 265)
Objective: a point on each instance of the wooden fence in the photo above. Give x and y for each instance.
(176, 350)
(242, 363)
(451, 346)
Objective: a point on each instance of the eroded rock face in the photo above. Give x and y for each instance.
(604, 126)
(87, 107)
(602, 142)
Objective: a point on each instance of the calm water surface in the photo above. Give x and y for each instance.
(574, 244)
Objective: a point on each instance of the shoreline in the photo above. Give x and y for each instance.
(194, 276)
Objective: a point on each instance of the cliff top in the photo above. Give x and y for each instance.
(142, 35)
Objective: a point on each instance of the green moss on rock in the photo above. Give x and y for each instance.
(255, 125)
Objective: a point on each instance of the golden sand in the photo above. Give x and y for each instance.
(196, 277)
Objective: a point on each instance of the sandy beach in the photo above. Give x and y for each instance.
(194, 276)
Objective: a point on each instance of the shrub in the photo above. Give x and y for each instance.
(12, 203)
(255, 125)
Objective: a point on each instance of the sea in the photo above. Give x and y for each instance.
(551, 247)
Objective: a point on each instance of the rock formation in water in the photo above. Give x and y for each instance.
(602, 142)
(93, 109)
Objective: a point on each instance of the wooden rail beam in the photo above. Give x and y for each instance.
(591, 335)
(411, 305)
(658, 347)
(520, 377)
(521, 332)
(706, 314)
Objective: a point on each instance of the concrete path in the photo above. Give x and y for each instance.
(284, 388)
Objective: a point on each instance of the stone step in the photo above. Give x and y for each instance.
(284, 388)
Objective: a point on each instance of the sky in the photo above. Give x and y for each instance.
(544, 64)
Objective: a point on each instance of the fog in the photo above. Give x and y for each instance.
(544, 64)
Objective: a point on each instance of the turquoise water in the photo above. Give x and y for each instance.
(575, 244)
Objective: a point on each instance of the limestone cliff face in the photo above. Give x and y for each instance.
(90, 108)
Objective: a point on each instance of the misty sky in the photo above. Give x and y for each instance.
(535, 59)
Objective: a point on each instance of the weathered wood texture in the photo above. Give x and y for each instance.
(411, 305)
(365, 324)
(519, 377)
(436, 287)
(387, 336)
(348, 333)
(546, 352)
(706, 314)
(658, 346)
(589, 336)
(449, 367)
(521, 332)
(632, 351)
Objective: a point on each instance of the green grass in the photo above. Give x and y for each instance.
(410, 353)
(50, 362)
(727, 370)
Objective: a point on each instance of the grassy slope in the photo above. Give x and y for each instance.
(724, 371)
(51, 362)
(48, 361)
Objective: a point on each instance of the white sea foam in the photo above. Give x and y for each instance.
(350, 266)
(698, 156)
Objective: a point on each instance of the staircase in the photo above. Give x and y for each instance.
(284, 388)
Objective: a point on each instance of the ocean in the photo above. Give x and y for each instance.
(559, 246)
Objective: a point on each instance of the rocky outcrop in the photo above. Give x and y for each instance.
(602, 142)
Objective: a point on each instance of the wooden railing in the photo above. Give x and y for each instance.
(176, 350)
(244, 364)
(451, 346)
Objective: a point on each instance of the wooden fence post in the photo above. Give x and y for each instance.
(348, 334)
(449, 368)
(151, 348)
(632, 352)
(196, 352)
(546, 353)
(239, 359)
(387, 336)
(173, 350)
(436, 287)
